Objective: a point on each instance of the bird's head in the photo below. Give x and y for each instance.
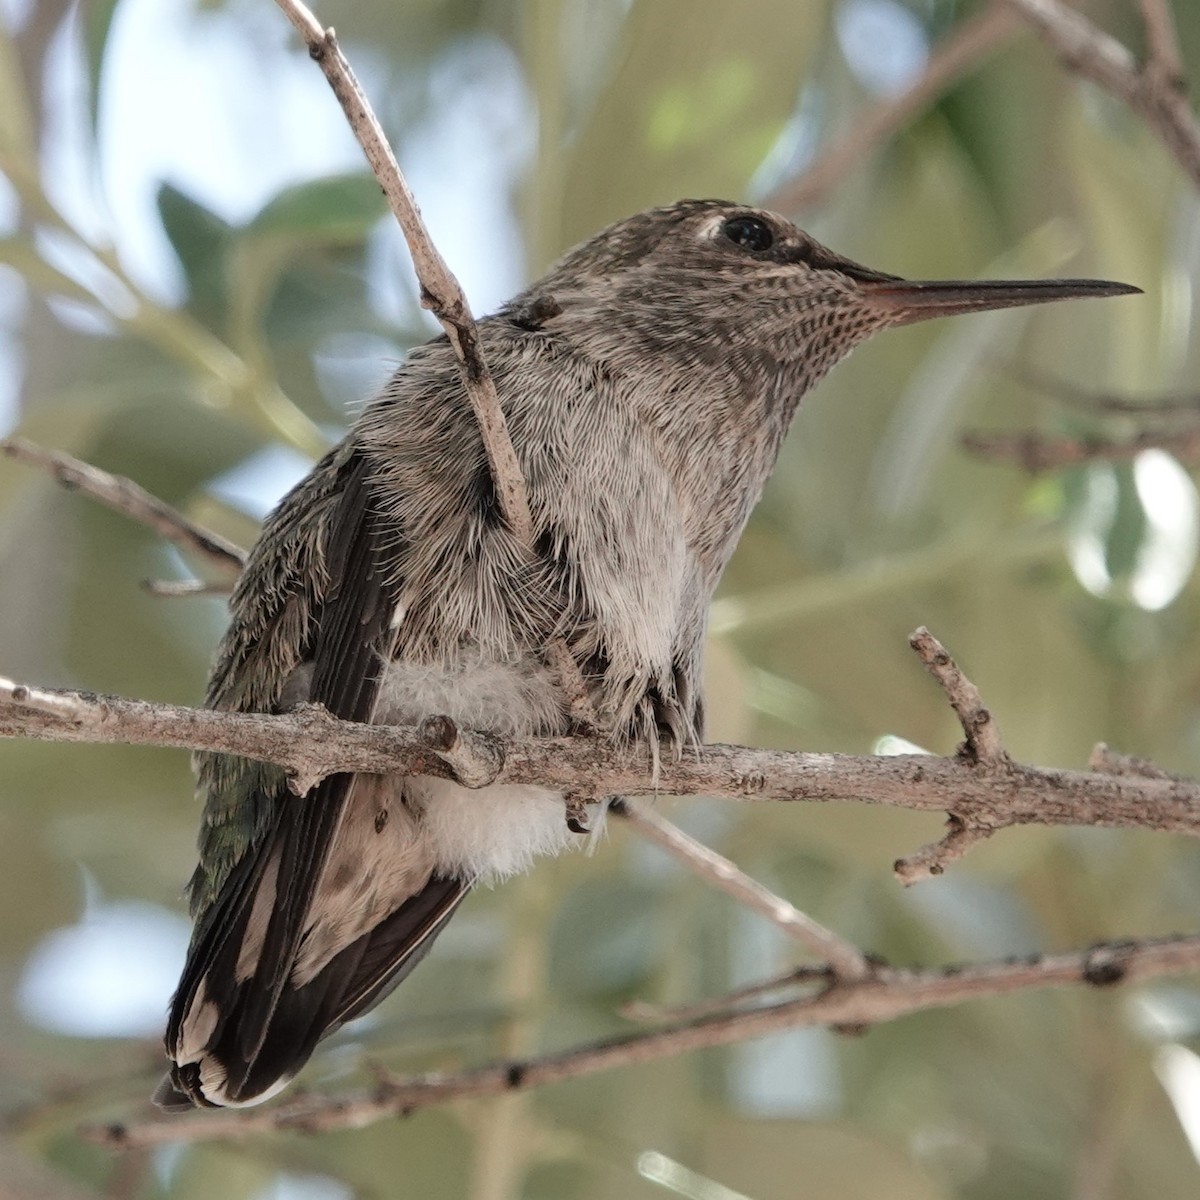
(710, 282)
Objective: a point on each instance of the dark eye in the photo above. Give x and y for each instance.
(750, 233)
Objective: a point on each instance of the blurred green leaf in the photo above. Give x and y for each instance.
(340, 208)
(201, 241)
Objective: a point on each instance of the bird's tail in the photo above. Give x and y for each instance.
(245, 1019)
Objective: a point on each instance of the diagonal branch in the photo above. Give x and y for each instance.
(962, 50)
(443, 295)
(1156, 94)
(441, 292)
(884, 995)
(128, 498)
(1164, 60)
(845, 959)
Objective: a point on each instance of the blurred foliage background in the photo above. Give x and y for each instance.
(198, 285)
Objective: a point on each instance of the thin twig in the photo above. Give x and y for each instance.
(845, 959)
(1037, 453)
(886, 994)
(646, 1012)
(932, 859)
(983, 746)
(1164, 58)
(961, 51)
(1160, 99)
(1112, 762)
(310, 744)
(128, 498)
(175, 589)
(443, 295)
(441, 292)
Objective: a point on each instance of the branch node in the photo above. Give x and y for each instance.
(1106, 964)
(475, 758)
(961, 834)
(439, 733)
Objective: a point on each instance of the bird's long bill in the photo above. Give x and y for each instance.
(908, 301)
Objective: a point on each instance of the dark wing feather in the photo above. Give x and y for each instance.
(348, 664)
(353, 982)
(266, 1026)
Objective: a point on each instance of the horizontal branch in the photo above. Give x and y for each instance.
(310, 744)
(883, 995)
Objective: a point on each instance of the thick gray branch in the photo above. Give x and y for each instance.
(311, 744)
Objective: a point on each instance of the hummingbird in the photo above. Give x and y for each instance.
(648, 380)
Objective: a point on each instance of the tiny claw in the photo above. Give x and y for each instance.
(577, 815)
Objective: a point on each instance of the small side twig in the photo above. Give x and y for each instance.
(932, 859)
(128, 498)
(845, 960)
(1107, 761)
(983, 746)
(982, 750)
